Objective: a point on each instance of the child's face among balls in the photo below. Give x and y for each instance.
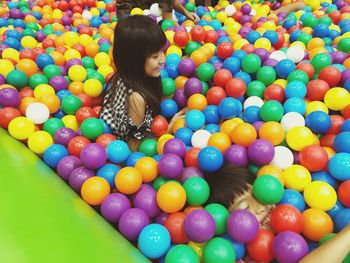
(154, 63)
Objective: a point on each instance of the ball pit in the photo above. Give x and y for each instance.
(267, 92)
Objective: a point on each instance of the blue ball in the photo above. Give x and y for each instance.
(335, 209)
(284, 68)
(108, 172)
(239, 248)
(294, 35)
(173, 59)
(13, 34)
(214, 59)
(212, 128)
(59, 114)
(223, 39)
(117, 151)
(172, 70)
(294, 198)
(106, 128)
(185, 135)
(203, 23)
(252, 114)
(211, 114)
(63, 93)
(318, 122)
(194, 119)
(210, 159)
(253, 36)
(347, 85)
(294, 104)
(342, 219)
(229, 108)
(321, 30)
(12, 42)
(54, 154)
(345, 127)
(43, 60)
(295, 88)
(272, 36)
(154, 241)
(19, 23)
(289, 22)
(339, 166)
(324, 177)
(232, 64)
(3, 22)
(163, 74)
(215, 24)
(333, 34)
(168, 108)
(133, 158)
(243, 76)
(342, 142)
(157, 157)
(240, 54)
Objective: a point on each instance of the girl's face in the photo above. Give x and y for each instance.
(154, 63)
(247, 201)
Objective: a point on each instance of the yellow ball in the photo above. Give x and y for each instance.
(39, 141)
(240, 43)
(171, 197)
(57, 14)
(101, 4)
(136, 11)
(72, 53)
(92, 87)
(43, 89)
(102, 58)
(299, 137)
(337, 98)
(170, 36)
(296, 177)
(71, 38)
(6, 67)
(174, 50)
(94, 11)
(85, 39)
(282, 82)
(10, 53)
(161, 142)
(316, 106)
(21, 128)
(269, 25)
(221, 16)
(105, 70)
(77, 73)
(320, 195)
(197, 247)
(70, 121)
(263, 43)
(28, 42)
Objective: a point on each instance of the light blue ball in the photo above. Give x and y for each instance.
(108, 172)
(229, 108)
(117, 151)
(339, 166)
(210, 159)
(194, 120)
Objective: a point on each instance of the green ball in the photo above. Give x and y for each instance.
(321, 61)
(310, 21)
(98, 76)
(266, 74)
(28, 32)
(256, 88)
(190, 7)
(328, 41)
(105, 47)
(344, 45)
(52, 125)
(205, 71)
(17, 78)
(33, 26)
(148, 147)
(88, 62)
(191, 46)
(70, 104)
(197, 190)
(205, 88)
(218, 250)
(271, 110)
(158, 182)
(253, 168)
(298, 75)
(251, 63)
(268, 190)
(91, 128)
(181, 254)
(325, 20)
(51, 71)
(37, 79)
(166, 24)
(330, 10)
(220, 215)
(168, 87)
(305, 38)
(49, 50)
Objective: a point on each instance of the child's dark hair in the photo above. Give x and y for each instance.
(136, 38)
(228, 183)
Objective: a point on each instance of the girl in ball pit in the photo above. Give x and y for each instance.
(232, 187)
(133, 95)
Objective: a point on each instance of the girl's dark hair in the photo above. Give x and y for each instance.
(228, 183)
(136, 38)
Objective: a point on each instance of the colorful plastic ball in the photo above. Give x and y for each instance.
(93, 156)
(289, 247)
(220, 216)
(313, 157)
(297, 177)
(66, 166)
(268, 184)
(343, 44)
(148, 147)
(39, 141)
(242, 226)
(200, 138)
(78, 177)
(193, 86)
(148, 168)
(294, 198)
(273, 132)
(343, 193)
(53, 154)
(117, 151)
(205, 71)
(70, 104)
(108, 172)
(113, 206)
(342, 219)
(221, 77)
(197, 191)
(229, 108)
(128, 180)
(17, 78)
(295, 53)
(210, 159)
(91, 128)
(215, 95)
(174, 223)
(318, 122)
(251, 63)
(194, 119)
(320, 195)
(92, 87)
(21, 128)
(131, 223)
(337, 98)
(260, 249)
(339, 166)
(181, 253)
(325, 177)
(197, 102)
(271, 111)
(295, 88)
(243, 134)
(266, 74)
(170, 166)
(9, 97)
(77, 144)
(199, 226)
(233, 64)
(6, 67)
(321, 61)
(291, 120)
(298, 75)
(42, 60)
(235, 87)
(284, 68)
(218, 250)
(299, 137)
(237, 154)
(261, 152)
(317, 224)
(171, 197)
(331, 75)
(220, 140)
(95, 190)
(187, 67)
(168, 86)
(224, 50)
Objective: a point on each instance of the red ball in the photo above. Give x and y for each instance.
(110, 7)
(345, 9)
(331, 75)
(97, 101)
(191, 157)
(63, 5)
(27, 53)
(344, 193)
(86, 100)
(221, 77)
(235, 87)
(327, 140)
(76, 145)
(237, 16)
(274, 92)
(7, 114)
(175, 224)
(335, 16)
(307, 68)
(248, 48)
(280, 41)
(198, 34)
(84, 113)
(26, 92)
(97, 109)
(211, 37)
(181, 38)
(286, 218)
(48, 42)
(313, 157)
(346, 112)
(105, 139)
(224, 50)
(91, 3)
(316, 89)
(81, 49)
(336, 123)
(38, 51)
(260, 249)
(215, 95)
(159, 126)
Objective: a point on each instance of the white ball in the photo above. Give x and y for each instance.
(253, 101)
(37, 112)
(200, 138)
(283, 157)
(278, 55)
(147, 12)
(253, 12)
(291, 120)
(155, 10)
(230, 10)
(296, 53)
(86, 14)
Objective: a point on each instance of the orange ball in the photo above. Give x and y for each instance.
(244, 134)
(76, 87)
(180, 123)
(346, 63)
(92, 49)
(58, 58)
(171, 197)
(228, 126)
(271, 170)
(273, 132)
(198, 57)
(315, 43)
(317, 224)
(220, 140)
(128, 180)
(148, 168)
(27, 66)
(95, 190)
(51, 101)
(180, 82)
(197, 102)
(25, 102)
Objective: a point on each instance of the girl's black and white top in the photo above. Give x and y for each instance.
(115, 113)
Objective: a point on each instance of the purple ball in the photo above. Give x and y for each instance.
(170, 166)
(262, 53)
(270, 62)
(193, 86)
(160, 218)
(103, 41)
(113, 206)
(67, 165)
(64, 135)
(246, 9)
(262, 19)
(175, 146)
(257, 125)
(78, 177)
(9, 97)
(261, 152)
(40, 36)
(339, 57)
(221, 33)
(72, 62)
(180, 98)
(245, 19)
(296, 157)
(187, 67)
(146, 199)
(242, 226)
(66, 20)
(244, 31)
(2, 79)
(189, 172)
(131, 222)
(289, 247)
(93, 156)
(16, 13)
(59, 83)
(237, 154)
(166, 45)
(64, 71)
(199, 226)
(345, 75)
(217, 65)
